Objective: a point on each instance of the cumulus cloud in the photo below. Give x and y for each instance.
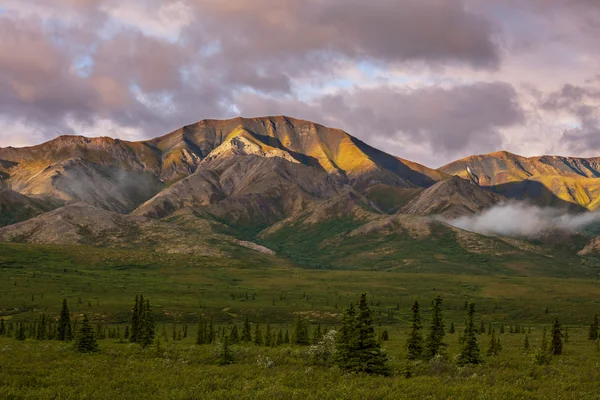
(522, 220)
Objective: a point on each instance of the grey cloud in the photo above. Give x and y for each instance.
(447, 121)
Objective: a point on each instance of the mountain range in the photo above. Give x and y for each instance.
(283, 186)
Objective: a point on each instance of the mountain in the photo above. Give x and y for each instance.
(452, 198)
(279, 185)
(546, 180)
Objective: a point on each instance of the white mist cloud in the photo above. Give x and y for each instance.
(523, 220)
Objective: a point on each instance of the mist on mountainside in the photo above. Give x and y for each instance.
(524, 220)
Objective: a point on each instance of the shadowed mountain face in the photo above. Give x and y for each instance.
(310, 193)
(547, 180)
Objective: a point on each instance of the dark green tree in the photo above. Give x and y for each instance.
(85, 340)
(452, 330)
(258, 337)
(64, 323)
(434, 344)
(2, 327)
(286, 338)
(526, 344)
(594, 328)
(246, 333)
(414, 343)
(136, 319)
(358, 348)
(385, 336)
(20, 335)
(41, 331)
(234, 337)
(494, 346)
(225, 354)
(301, 336)
(147, 328)
(210, 338)
(556, 345)
(482, 327)
(279, 340)
(470, 353)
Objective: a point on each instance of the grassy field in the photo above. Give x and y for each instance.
(103, 284)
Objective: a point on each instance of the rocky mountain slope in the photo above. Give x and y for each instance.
(310, 193)
(546, 180)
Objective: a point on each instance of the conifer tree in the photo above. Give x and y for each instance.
(526, 344)
(452, 330)
(41, 328)
(2, 327)
(594, 328)
(286, 338)
(126, 334)
(246, 334)
(556, 345)
(258, 337)
(434, 344)
(279, 341)
(502, 328)
(489, 329)
(85, 340)
(134, 335)
(318, 334)
(494, 347)
(360, 351)
(470, 349)
(201, 335)
(234, 337)
(385, 336)
(301, 332)
(226, 355)
(64, 323)
(147, 328)
(544, 343)
(211, 331)
(482, 327)
(415, 339)
(20, 332)
(268, 337)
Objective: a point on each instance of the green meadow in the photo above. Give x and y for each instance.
(270, 290)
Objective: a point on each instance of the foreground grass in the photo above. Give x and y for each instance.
(182, 370)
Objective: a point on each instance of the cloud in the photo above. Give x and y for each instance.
(522, 220)
(440, 123)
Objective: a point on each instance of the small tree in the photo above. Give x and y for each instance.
(234, 337)
(556, 345)
(452, 330)
(20, 335)
(246, 333)
(85, 340)
(64, 323)
(526, 344)
(2, 327)
(494, 347)
(414, 343)
(594, 328)
(470, 349)
(258, 337)
(147, 327)
(434, 345)
(226, 355)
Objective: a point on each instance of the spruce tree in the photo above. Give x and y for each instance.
(452, 330)
(502, 328)
(414, 343)
(225, 355)
(279, 341)
(85, 340)
(234, 337)
(434, 344)
(360, 351)
(20, 332)
(526, 344)
(246, 334)
(594, 328)
(556, 345)
(2, 327)
(211, 331)
(134, 335)
(286, 338)
(258, 337)
(147, 327)
(494, 346)
(201, 335)
(482, 327)
(470, 349)
(268, 336)
(64, 323)
(301, 332)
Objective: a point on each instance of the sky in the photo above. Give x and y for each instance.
(427, 80)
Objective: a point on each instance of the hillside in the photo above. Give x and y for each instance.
(314, 195)
(546, 180)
